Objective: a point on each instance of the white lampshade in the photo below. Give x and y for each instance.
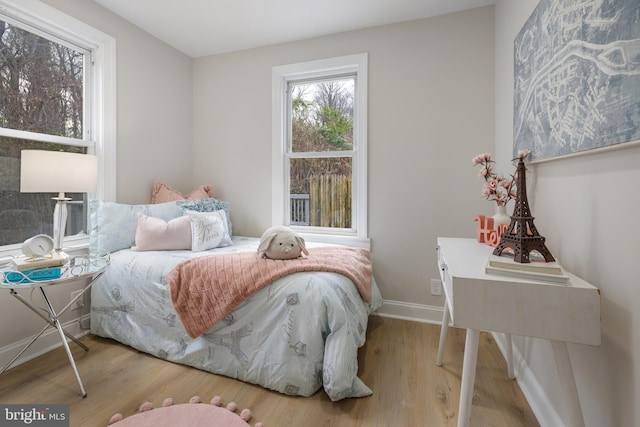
(58, 172)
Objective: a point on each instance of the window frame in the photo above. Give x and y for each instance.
(101, 119)
(356, 64)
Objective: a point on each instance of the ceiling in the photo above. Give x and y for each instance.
(206, 27)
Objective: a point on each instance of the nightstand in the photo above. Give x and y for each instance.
(477, 301)
(87, 269)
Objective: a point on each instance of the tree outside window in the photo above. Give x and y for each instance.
(42, 84)
(321, 149)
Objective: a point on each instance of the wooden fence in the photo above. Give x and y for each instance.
(330, 201)
(327, 205)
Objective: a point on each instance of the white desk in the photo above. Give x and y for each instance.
(476, 301)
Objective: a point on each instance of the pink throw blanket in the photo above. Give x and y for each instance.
(205, 289)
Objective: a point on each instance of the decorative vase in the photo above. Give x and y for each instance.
(501, 216)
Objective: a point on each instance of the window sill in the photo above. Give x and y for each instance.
(352, 241)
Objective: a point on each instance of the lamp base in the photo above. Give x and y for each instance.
(59, 222)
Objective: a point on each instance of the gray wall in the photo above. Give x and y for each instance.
(585, 206)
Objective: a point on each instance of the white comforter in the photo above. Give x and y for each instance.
(296, 335)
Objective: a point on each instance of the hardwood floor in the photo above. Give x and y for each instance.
(397, 363)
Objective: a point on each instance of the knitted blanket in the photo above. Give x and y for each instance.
(205, 289)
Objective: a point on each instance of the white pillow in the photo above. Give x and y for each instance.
(209, 230)
(113, 225)
(156, 234)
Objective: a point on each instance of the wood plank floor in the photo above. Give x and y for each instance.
(397, 363)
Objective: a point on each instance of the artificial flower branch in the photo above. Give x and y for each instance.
(497, 188)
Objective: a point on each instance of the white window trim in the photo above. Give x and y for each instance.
(103, 110)
(337, 66)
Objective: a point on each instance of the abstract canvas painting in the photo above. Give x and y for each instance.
(577, 77)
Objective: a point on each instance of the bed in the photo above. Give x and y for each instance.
(296, 335)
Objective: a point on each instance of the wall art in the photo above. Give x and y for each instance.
(577, 77)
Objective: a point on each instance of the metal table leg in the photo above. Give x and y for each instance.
(53, 320)
(63, 334)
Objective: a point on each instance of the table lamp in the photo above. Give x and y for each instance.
(58, 172)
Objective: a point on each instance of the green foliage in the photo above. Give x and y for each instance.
(300, 109)
(337, 129)
(328, 130)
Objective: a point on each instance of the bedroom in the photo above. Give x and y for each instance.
(457, 68)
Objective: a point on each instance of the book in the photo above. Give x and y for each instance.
(559, 278)
(536, 265)
(23, 263)
(29, 276)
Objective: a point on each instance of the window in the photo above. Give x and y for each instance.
(320, 149)
(57, 92)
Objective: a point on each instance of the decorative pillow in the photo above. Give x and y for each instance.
(209, 230)
(162, 193)
(208, 205)
(113, 225)
(155, 234)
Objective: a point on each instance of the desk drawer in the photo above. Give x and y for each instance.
(443, 268)
(445, 276)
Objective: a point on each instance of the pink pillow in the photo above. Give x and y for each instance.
(162, 193)
(155, 234)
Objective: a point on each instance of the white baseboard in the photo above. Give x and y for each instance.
(48, 341)
(533, 392)
(410, 311)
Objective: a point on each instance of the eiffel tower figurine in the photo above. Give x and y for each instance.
(521, 235)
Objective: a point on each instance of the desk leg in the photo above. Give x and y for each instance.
(568, 383)
(468, 376)
(509, 350)
(443, 333)
(63, 338)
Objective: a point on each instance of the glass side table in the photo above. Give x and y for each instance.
(79, 268)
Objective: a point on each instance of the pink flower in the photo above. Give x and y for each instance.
(501, 199)
(483, 158)
(497, 188)
(504, 182)
(492, 184)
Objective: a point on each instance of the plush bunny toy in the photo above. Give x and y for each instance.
(281, 243)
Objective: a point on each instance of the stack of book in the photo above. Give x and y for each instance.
(35, 269)
(53, 259)
(29, 276)
(535, 270)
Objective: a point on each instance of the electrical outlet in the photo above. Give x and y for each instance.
(436, 287)
(79, 304)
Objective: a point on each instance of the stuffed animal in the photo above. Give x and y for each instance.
(281, 242)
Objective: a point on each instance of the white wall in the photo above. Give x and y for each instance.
(430, 112)
(154, 136)
(585, 207)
